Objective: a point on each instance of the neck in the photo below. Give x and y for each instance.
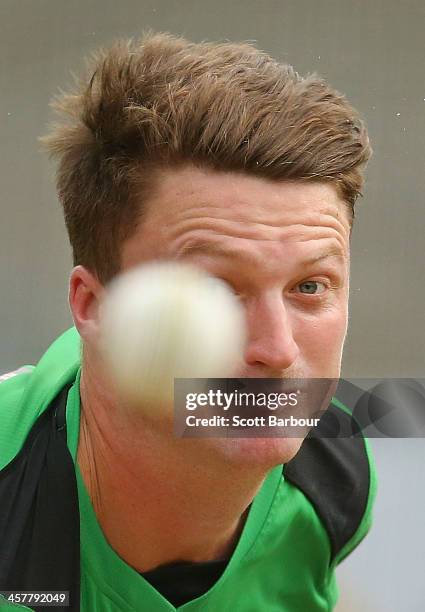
(159, 499)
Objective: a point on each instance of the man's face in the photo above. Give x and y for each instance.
(283, 248)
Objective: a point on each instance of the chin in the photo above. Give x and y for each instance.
(261, 453)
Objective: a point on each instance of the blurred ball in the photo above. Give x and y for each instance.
(162, 321)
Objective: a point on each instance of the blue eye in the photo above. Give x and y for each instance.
(312, 287)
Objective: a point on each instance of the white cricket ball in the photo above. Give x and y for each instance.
(167, 320)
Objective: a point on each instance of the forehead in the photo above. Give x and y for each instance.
(191, 204)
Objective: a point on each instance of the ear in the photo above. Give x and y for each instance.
(85, 295)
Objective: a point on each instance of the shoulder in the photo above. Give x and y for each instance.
(26, 393)
(337, 474)
(14, 373)
(15, 421)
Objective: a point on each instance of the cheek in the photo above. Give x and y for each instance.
(321, 337)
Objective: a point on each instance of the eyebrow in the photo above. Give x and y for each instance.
(215, 248)
(332, 252)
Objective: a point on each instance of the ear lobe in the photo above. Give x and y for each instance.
(85, 294)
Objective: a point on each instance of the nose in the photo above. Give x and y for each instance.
(271, 341)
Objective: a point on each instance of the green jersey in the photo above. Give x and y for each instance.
(295, 534)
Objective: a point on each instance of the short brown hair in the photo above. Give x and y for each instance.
(164, 100)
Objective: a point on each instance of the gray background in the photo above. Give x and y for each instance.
(371, 50)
